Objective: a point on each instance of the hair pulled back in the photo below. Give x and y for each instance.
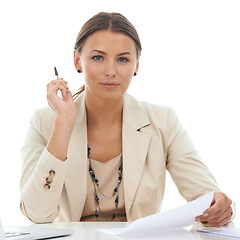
(114, 22)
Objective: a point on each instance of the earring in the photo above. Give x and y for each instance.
(135, 74)
(79, 70)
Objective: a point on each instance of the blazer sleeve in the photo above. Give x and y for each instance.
(42, 176)
(187, 170)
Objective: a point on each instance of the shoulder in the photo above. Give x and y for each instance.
(151, 118)
(44, 114)
(43, 119)
(155, 112)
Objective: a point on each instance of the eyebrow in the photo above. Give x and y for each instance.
(120, 54)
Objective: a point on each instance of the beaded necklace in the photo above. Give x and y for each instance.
(96, 186)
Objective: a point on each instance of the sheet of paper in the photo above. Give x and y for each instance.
(170, 234)
(182, 216)
(229, 232)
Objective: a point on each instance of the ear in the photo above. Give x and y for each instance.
(77, 61)
(137, 64)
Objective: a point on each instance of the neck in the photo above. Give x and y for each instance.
(103, 113)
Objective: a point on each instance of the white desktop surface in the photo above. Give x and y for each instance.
(87, 231)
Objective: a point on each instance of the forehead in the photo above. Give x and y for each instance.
(107, 40)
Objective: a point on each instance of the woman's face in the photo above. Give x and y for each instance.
(108, 61)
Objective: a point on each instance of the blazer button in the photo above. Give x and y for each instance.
(49, 180)
(47, 186)
(52, 173)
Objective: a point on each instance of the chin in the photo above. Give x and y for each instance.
(113, 97)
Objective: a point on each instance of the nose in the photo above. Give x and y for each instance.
(110, 69)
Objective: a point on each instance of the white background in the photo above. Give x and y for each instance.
(190, 60)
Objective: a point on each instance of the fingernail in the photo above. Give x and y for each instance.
(197, 219)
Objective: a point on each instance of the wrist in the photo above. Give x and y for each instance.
(59, 141)
(64, 125)
(65, 119)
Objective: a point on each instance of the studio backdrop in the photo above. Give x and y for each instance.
(190, 61)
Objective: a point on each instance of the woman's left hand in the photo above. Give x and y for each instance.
(219, 213)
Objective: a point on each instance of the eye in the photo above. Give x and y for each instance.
(98, 57)
(123, 59)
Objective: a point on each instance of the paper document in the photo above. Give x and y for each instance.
(228, 232)
(182, 216)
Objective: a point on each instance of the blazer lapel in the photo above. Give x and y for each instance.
(76, 179)
(135, 147)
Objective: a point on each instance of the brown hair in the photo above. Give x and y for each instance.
(115, 22)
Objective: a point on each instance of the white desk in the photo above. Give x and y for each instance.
(87, 231)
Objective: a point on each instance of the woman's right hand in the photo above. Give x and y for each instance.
(66, 111)
(63, 107)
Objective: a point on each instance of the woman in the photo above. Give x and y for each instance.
(103, 156)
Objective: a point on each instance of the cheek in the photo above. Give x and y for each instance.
(126, 74)
(126, 71)
(90, 71)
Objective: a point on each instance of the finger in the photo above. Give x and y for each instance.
(53, 90)
(219, 204)
(208, 217)
(68, 96)
(55, 82)
(222, 222)
(213, 209)
(62, 90)
(217, 219)
(220, 216)
(62, 82)
(58, 79)
(204, 218)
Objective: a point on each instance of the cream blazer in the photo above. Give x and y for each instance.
(153, 141)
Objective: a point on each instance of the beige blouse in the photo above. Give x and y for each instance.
(107, 174)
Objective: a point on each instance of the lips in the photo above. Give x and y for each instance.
(109, 84)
